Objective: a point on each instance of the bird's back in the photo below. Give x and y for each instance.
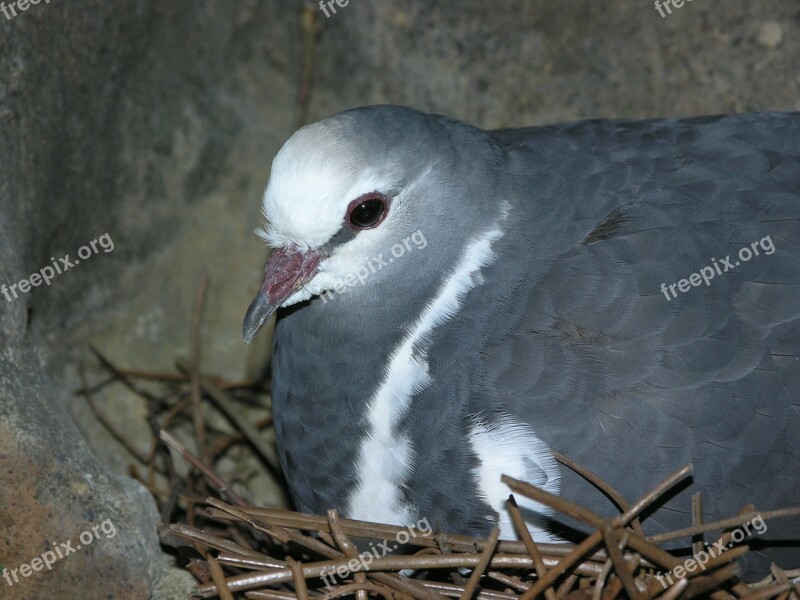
(614, 359)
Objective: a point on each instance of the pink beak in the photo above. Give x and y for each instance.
(287, 270)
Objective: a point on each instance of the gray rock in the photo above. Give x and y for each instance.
(56, 497)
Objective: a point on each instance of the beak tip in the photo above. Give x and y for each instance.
(257, 314)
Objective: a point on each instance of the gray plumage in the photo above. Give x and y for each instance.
(568, 330)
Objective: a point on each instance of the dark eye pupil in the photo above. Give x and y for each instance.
(367, 213)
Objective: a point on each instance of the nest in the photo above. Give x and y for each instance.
(291, 556)
(236, 550)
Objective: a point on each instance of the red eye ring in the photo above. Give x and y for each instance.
(367, 211)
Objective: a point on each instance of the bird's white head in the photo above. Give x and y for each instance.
(338, 195)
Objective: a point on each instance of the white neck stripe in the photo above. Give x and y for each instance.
(386, 456)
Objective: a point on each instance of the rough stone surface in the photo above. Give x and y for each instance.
(57, 501)
(155, 122)
(55, 492)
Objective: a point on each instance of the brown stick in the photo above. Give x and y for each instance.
(198, 536)
(360, 589)
(407, 586)
(477, 572)
(348, 549)
(215, 480)
(562, 505)
(387, 563)
(105, 422)
(311, 29)
(614, 547)
(194, 372)
(601, 485)
(218, 577)
(674, 591)
(724, 523)
(232, 412)
(377, 531)
(533, 551)
(300, 587)
(697, 520)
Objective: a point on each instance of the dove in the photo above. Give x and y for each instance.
(624, 293)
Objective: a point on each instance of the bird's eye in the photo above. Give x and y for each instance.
(367, 211)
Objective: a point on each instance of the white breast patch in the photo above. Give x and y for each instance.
(512, 448)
